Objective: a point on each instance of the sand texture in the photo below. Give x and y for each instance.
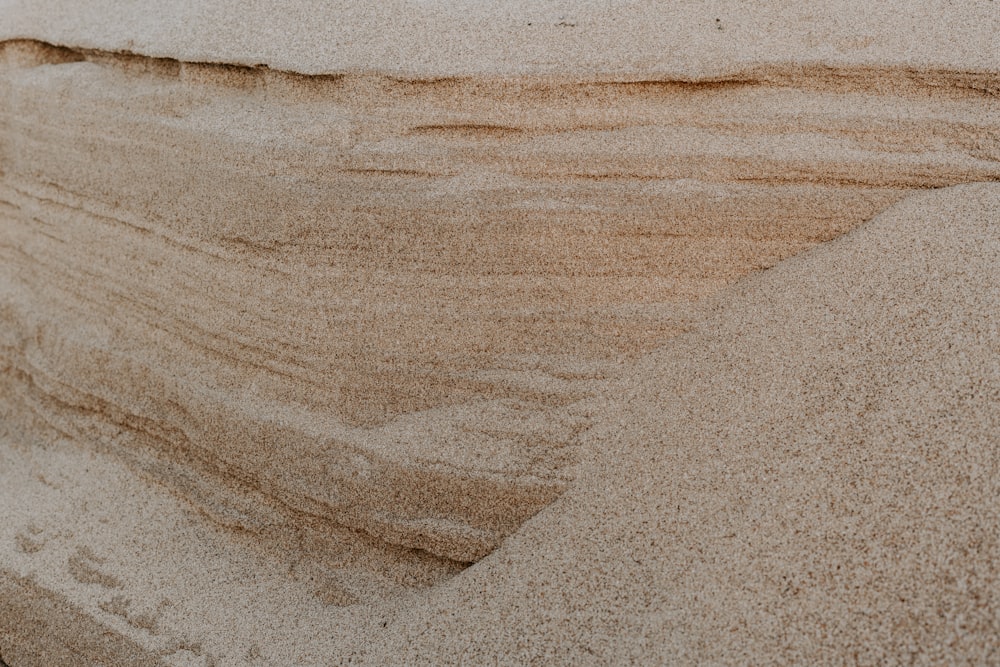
(367, 354)
(615, 38)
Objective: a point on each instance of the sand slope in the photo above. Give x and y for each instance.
(811, 477)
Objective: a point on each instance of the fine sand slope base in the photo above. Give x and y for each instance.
(353, 315)
(811, 474)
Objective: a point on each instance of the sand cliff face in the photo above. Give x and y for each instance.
(353, 320)
(369, 301)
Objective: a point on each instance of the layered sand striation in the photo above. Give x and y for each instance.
(366, 301)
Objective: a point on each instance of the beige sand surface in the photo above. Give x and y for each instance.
(281, 355)
(629, 38)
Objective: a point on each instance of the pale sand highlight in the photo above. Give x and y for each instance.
(645, 39)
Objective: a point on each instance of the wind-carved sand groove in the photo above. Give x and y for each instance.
(357, 310)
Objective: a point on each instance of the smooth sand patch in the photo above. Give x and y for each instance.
(644, 39)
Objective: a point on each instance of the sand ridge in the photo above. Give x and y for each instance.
(808, 477)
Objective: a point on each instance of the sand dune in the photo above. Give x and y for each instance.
(290, 340)
(809, 475)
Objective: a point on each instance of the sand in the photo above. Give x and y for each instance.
(647, 39)
(522, 345)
